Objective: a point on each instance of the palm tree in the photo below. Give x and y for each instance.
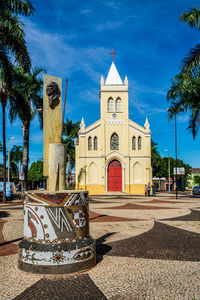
(184, 93)
(16, 156)
(12, 46)
(70, 132)
(192, 61)
(155, 156)
(29, 87)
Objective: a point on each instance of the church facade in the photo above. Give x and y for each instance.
(114, 153)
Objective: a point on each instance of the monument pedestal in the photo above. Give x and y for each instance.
(56, 233)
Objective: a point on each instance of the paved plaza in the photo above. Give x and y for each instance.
(147, 248)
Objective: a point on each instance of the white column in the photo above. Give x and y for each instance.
(8, 160)
(123, 179)
(106, 168)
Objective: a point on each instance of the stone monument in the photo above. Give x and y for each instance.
(56, 221)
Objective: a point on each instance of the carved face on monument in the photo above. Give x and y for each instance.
(53, 93)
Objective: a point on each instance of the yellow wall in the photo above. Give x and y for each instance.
(93, 189)
(97, 161)
(136, 189)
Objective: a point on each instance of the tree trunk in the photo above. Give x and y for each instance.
(4, 153)
(68, 169)
(4, 96)
(26, 126)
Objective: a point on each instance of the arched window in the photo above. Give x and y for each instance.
(110, 104)
(134, 143)
(118, 104)
(95, 143)
(139, 143)
(93, 173)
(137, 173)
(114, 142)
(89, 143)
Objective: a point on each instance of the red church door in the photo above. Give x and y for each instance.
(115, 176)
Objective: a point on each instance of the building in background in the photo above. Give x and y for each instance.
(114, 153)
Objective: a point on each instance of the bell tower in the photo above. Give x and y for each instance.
(114, 96)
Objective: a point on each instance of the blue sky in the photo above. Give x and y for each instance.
(72, 40)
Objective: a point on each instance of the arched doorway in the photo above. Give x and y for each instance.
(115, 176)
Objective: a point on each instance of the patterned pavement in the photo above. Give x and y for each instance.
(147, 248)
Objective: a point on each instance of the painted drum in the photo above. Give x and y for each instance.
(56, 233)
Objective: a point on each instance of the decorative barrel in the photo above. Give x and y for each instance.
(56, 233)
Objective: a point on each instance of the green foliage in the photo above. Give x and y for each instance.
(13, 51)
(192, 17)
(12, 42)
(197, 179)
(155, 156)
(156, 185)
(14, 170)
(160, 165)
(23, 7)
(161, 168)
(28, 87)
(35, 173)
(70, 132)
(71, 129)
(16, 154)
(184, 93)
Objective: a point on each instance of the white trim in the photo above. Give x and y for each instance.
(118, 88)
(114, 151)
(91, 156)
(114, 122)
(123, 179)
(90, 130)
(146, 134)
(137, 156)
(106, 178)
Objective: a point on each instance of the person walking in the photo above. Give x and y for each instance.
(153, 190)
(148, 188)
(145, 189)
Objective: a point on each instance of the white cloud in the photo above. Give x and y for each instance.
(36, 138)
(108, 25)
(86, 11)
(111, 4)
(183, 118)
(56, 52)
(90, 95)
(146, 89)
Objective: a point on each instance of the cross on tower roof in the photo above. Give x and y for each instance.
(112, 54)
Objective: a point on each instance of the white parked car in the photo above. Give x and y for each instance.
(196, 190)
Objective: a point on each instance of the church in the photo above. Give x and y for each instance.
(114, 153)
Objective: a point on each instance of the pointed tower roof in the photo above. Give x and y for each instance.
(146, 124)
(82, 125)
(113, 77)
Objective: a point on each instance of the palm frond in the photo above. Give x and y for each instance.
(23, 7)
(6, 66)
(191, 63)
(192, 17)
(194, 122)
(12, 35)
(26, 88)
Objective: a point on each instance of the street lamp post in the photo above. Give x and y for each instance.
(168, 167)
(176, 155)
(169, 110)
(9, 157)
